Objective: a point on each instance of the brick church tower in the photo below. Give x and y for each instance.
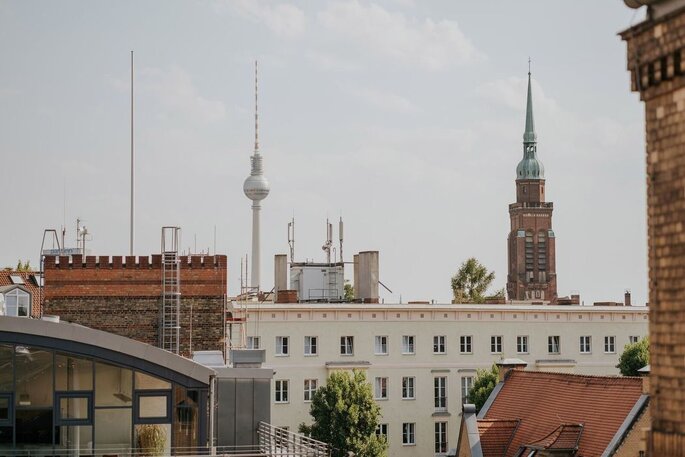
(532, 270)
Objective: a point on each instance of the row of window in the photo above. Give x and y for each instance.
(409, 434)
(380, 389)
(439, 344)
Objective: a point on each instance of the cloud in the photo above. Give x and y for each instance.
(331, 62)
(385, 100)
(284, 19)
(175, 92)
(433, 45)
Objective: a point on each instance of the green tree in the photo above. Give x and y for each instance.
(346, 416)
(485, 382)
(634, 357)
(349, 291)
(471, 281)
(26, 266)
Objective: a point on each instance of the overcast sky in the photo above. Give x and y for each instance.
(404, 117)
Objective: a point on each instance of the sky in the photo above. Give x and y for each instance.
(403, 117)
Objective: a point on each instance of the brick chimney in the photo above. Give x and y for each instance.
(627, 301)
(506, 365)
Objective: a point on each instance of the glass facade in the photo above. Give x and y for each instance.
(51, 401)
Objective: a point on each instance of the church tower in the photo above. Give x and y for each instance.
(532, 265)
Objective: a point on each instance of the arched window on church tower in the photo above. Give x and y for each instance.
(542, 256)
(529, 256)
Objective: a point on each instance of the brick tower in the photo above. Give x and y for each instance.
(532, 271)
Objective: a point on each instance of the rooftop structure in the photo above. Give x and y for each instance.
(27, 302)
(562, 414)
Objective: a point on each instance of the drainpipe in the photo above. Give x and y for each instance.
(212, 413)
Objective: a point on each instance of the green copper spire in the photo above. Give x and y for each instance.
(529, 135)
(530, 167)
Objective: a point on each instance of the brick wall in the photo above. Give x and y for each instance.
(123, 296)
(656, 54)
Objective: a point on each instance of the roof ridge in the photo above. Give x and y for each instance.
(576, 376)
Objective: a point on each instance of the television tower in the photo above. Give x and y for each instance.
(256, 188)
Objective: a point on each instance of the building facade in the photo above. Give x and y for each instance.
(123, 295)
(421, 359)
(531, 242)
(656, 61)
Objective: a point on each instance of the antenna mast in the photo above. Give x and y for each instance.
(132, 161)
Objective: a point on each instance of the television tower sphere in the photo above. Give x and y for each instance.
(256, 186)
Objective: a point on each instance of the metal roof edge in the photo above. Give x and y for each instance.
(490, 400)
(626, 426)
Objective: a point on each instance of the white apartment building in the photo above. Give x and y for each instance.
(421, 359)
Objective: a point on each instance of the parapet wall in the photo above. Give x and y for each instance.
(131, 276)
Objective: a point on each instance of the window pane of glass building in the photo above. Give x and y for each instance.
(147, 382)
(73, 408)
(113, 429)
(34, 377)
(113, 386)
(153, 406)
(77, 438)
(73, 373)
(6, 368)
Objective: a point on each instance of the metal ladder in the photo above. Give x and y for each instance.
(171, 290)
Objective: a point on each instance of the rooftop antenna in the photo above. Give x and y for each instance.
(291, 239)
(329, 241)
(132, 161)
(340, 237)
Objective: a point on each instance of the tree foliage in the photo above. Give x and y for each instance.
(346, 416)
(349, 291)
(485, 382)
(25, 266)
(634, 357)
(471, 281)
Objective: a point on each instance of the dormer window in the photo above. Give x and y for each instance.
(17, 302)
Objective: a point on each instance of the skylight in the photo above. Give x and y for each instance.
(16, 279)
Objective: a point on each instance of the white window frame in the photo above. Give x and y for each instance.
(633, 339)
(281, 394)
(408, 344)
(13, 302)
(441, 437)
(408, 434)
(408, 388)
(439, 344)
(585, 344)
(522, 344)
(496, 344)
(282, 346)
(440, 393)
(466, 385)
(311, 345)
(610, 344)
(253, 342)
(466, 344)
(554, 344)
(347, 345)
(380, 388)
(380, 345)
(382, 430)
(310, 386)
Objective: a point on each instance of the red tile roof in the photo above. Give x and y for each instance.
(29, 284)
(495, 436)
(564, 437)
(545, 401)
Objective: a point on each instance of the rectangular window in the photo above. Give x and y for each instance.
(522, 344)
(554, 344)
(408, 432)
(382, 430)
(152, 407)
(310, 345)
(440, 393)
(408, 388)
(282, 345)
(5, 418)
(465, 344)
(466, 384)
(380, 345)
(496, 344)
(253, 342)
(633, 339)
(310, 386)
(440, 437)
(439, 344)
(585, 345)
(346, 345)
(281, 392)
(380, 388)
(408, 344)
(610, 344)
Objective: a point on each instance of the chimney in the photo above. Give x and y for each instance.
(644, 374)
(280, 274)
(627, 301)
(368, 276)
(355, 259)
(506, 365)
